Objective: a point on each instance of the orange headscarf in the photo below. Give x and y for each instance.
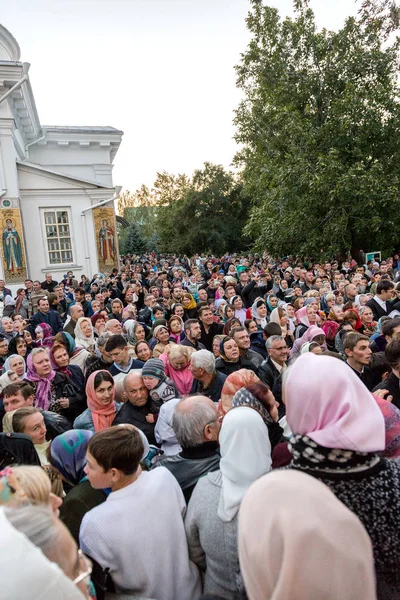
(103, 416)
(233, 383)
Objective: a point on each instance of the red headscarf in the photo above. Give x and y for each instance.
(103, 416)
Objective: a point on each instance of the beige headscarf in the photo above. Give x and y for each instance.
(297, 540)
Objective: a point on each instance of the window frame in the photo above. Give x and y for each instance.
(45, 238)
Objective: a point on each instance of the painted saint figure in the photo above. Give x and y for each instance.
(12, 248)
(106, 239)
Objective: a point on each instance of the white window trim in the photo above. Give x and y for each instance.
(57, 266)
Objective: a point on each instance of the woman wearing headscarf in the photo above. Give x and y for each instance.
(60, 361)
(68, 456)
(293, 551)
(176, 333)
(279, 316)
(19, 346)
(77, 355)
(369, 326)
(230, 360)
(9, 306)
(84, 334)
(161, 335)
(102, 409)
(232, 384)
(313, 334)
(259, 397)
(53, 391)
(16, 364)
(338, 429)
(189, 306)
(259, 313)
(212, 515)
(6, 379)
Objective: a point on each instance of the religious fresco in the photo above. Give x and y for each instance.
(12, 245)
(106, 238)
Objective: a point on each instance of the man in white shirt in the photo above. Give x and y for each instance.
(138, 533)
(272, 367)
(380, 304)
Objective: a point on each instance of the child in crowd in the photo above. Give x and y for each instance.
(161, 388)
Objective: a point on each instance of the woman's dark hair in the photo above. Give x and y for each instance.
(14, 343)
(247, 323)
(174, 307)
(157, 308)
(102, 376)
(117, 448)
(230, 324)
(138, 344)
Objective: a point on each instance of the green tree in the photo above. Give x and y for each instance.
(206, 213)
(319, 129)
(134, 243)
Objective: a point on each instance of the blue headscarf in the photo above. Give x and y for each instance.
(68, 453)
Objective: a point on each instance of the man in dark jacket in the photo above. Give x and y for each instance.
(254, 290)
(193, 334)
(208, 328)
(381, 304)
(137, 408)
(272, 367)
(196, 427)
(392, 382)
(242, 338)
(45, 315)
(49, 284)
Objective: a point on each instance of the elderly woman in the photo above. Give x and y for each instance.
(338, 429)
(102, 359)
(17, 364)
(234, 383)
(102, 409)
(161, 335)
(177, 367)
(53, 391)
(306, 317)
(44, 335)
(230, 359)
(294, 550)
(99, 321)
(143, 351)
(6, 379)
(212, 515)
(369, 326)
(68, 456)
(137, 332)
(84, 334)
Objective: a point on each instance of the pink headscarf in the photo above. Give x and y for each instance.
(183, 379)
(302, 316)
(308, 336)
(309, 546)
(43, 389)
(327, 402)
(103, 416)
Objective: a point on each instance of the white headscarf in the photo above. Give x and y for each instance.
(246, 456)
(297, 540)
(81, 340)
(254, 311)
(40, 580)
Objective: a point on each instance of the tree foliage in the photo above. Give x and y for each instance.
(319, 129)
(204, 213)
(133, 242)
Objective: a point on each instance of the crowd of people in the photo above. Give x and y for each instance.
(221, 428)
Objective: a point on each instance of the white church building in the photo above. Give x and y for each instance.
(56, 187)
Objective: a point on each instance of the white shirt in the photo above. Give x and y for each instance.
(381, 303)
(138, 533)
(163, 431)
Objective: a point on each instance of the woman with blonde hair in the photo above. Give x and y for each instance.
(176, 359)
(37, 486)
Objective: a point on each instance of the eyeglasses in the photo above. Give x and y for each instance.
(85, 567)
(281, 348)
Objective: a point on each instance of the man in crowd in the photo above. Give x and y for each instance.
(118, 349)
(207, 381)
(141, 507)
(49, 284)
(273, 366)
(35, 295)
(196, 425)
(137, 407)
(79, 295)
(208, 327)
(358, 352)
(242, 338)
(381, 304)
(114, 327)
(45, 315)
(192, 331)
(3, 350)
(75, 312)
(391, 383)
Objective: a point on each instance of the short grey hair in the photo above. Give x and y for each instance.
(189, 424)
(6, 319)
(274, 338)
(102, 339)
(38, 523)
(203, 359)
(330, 297)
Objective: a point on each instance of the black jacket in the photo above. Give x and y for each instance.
(52, 318)
(251, 292)
(268, 373)
(228, 367)
(392, 385)
(258, 343)
(207, 338)
(136, 415)
(378, 310)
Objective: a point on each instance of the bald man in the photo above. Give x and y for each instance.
(196, 425)
(137, 407)
(114, 326)
(76, 311)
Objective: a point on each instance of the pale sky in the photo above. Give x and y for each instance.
(160, 70)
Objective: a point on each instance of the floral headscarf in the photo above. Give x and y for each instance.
(68, 454)
(233, 383)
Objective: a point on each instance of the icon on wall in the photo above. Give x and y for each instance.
(12, 245)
